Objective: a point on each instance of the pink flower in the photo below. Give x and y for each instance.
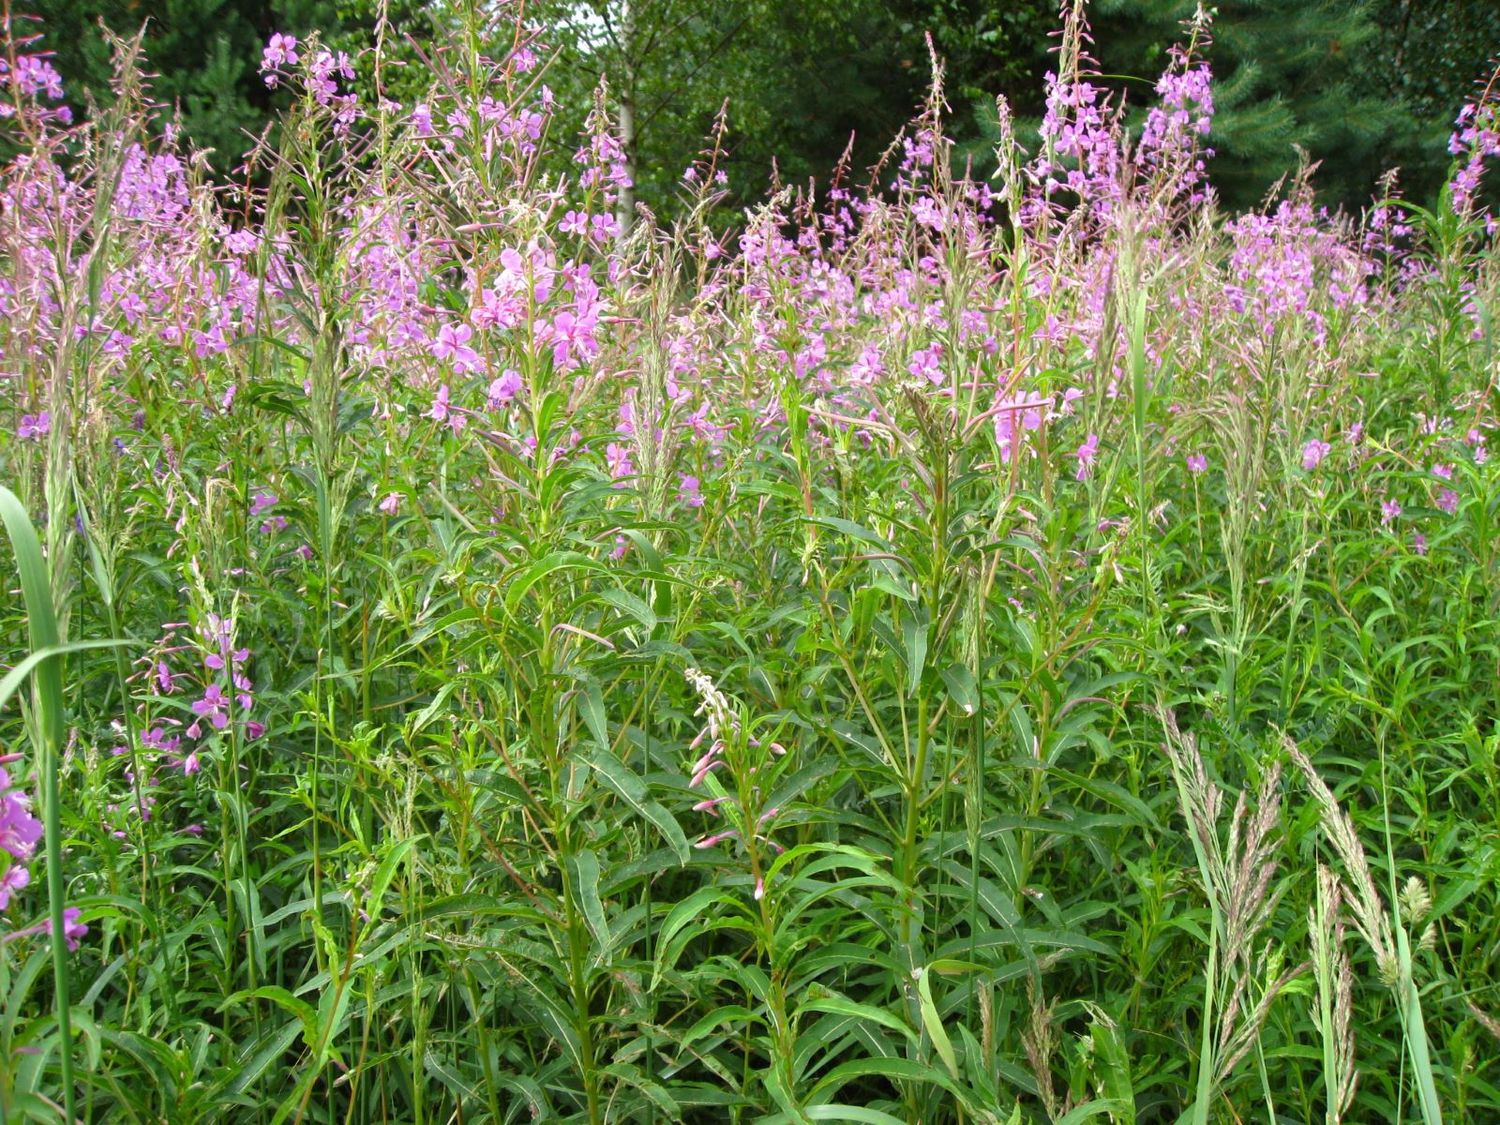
(927, 364)
(19, 830)
(504, 389)
(1197, 462)
(452, 344)
(34, 427)
(1389, 511)
(1086, 454)
(73, 929)
(1448, 501)
(617, 459)
(689, 492)
(391, 504)
(15, 878)
(1013, 417)
(214, 706)
(280, 52)
(1313, 453)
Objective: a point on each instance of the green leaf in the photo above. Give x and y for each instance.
(629, 787)
(385, 873)
(961, 687)
(914, 634)
(17, 675)
(558, 560)
(585, 871)
(685, 913)
(836, 1112)
(842, 1006)
(933, 1023)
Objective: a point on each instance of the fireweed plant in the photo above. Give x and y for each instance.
(938, 651)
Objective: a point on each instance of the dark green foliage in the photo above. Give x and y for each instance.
(204, 55)
(1431, 57)
(1360, 86)
(1291, 80)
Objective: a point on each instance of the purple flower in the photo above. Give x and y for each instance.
(156, 738)
(15, 878)
(1443, 472)
(261, 502)
(73, 929)
(1389, 511)
(391, 504)
(214, 707)
(1086, 454)
(688, 492)
(1197, 462)
(1313, 453)
(280, 51)
(1013, 417)
(19, 830)
(1448, 501)
(927, 364)
(617, 458)
(503, 389)
(452, 344)
(34, 427)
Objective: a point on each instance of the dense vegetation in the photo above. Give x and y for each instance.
(1009, 650)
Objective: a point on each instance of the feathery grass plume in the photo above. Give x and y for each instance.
(1484, 1019)
(1360, 895)
(1243, 975)
(1333, 1014)
(1039, 1040)
(1390, 944)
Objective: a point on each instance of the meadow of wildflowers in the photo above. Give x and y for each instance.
(928, 651)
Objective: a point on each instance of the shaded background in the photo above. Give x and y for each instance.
(1360, 85)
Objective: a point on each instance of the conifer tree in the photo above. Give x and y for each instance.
(1292, 77)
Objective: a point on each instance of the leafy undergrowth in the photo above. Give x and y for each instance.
(948, 652)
